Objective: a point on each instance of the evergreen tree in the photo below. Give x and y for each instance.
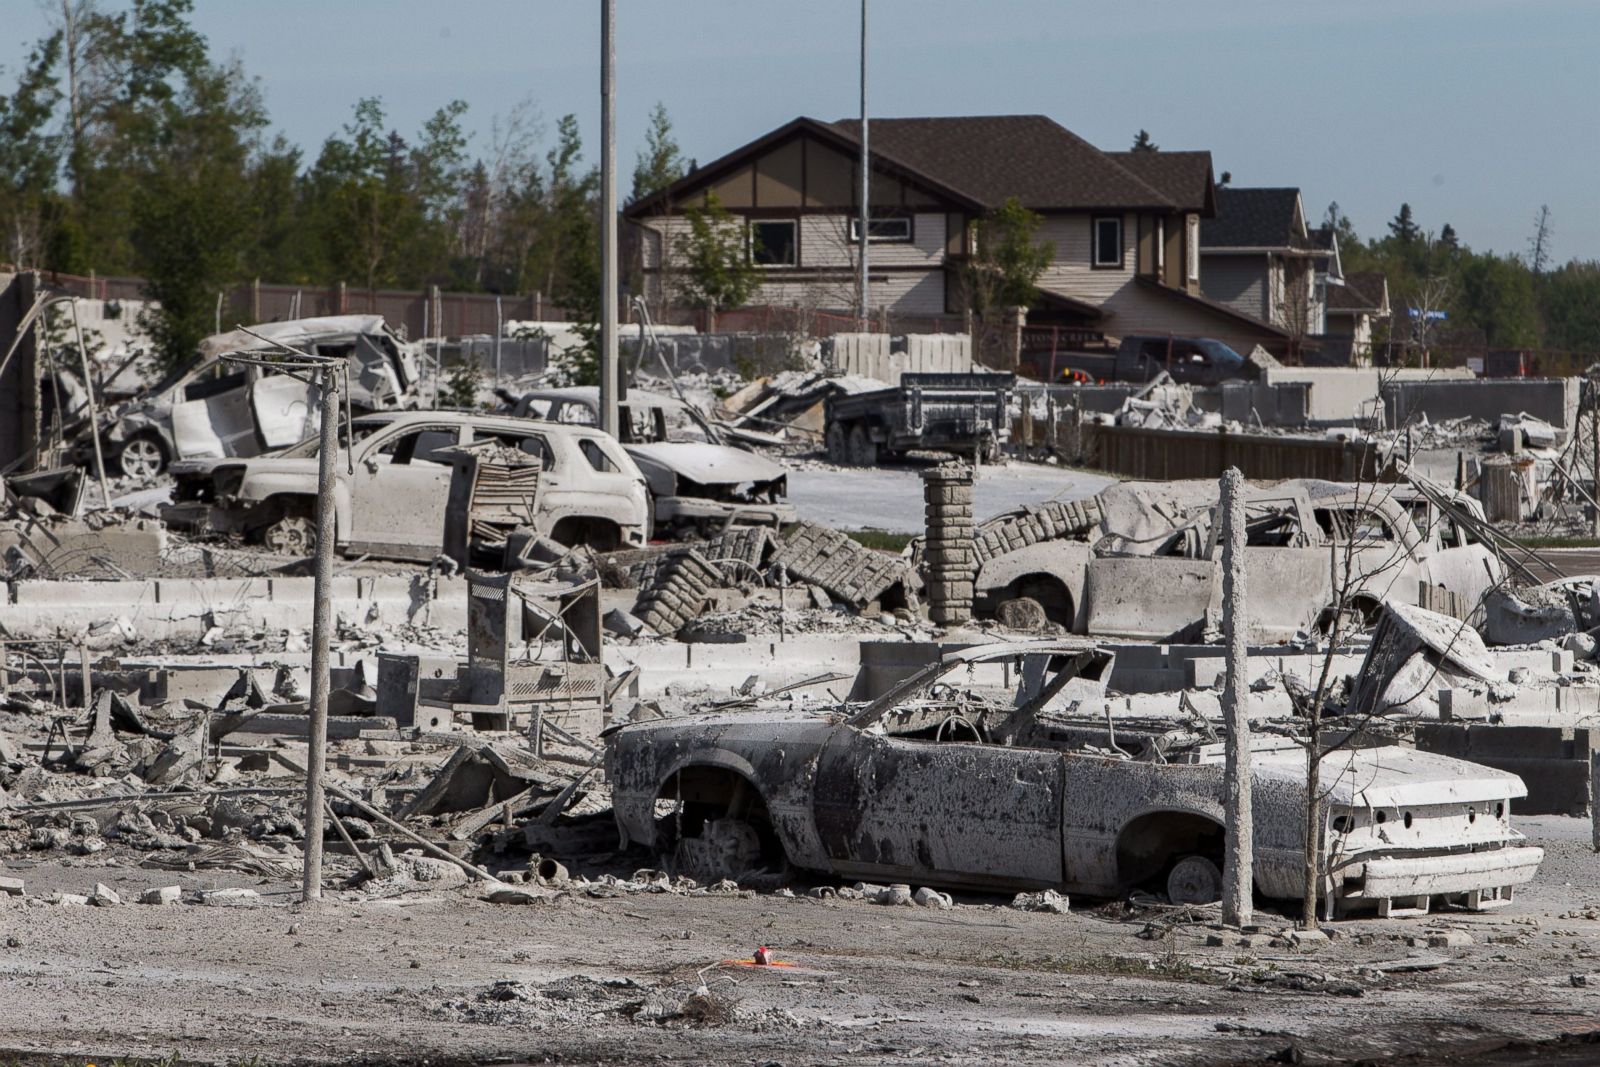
(660, 162)
(711, 268)
(1403, 227)
(1143, 143)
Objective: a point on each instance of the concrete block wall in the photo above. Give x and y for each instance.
(1554, 400)
(1552, 761)
(163, 609)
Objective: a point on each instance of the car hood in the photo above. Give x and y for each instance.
(1391, 777)
(705, 464)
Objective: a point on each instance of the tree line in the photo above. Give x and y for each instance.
(126, 147)
(1488, 300)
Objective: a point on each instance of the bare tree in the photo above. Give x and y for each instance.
(1539, 243)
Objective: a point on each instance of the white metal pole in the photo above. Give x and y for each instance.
(499, 328)
(608, 219)
(866, 182)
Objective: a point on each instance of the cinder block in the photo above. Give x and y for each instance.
(1519, 742)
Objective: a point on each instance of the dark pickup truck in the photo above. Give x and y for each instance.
(960, 413)
(1139, 358)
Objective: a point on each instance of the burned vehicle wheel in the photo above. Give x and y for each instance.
(863, 451)
(726, 848)
(292, 533)
(838, 449)
(1194, 880)
(142, 457)
(718, 827)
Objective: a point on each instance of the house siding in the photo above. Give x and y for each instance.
(1070, 273)
(1238, 281)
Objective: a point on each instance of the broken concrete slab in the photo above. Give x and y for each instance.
(161, 895)
(11, 887)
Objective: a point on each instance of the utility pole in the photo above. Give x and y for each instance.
(1238, 865)
(866, 182)
(321, 631)
(1592, 387)
(608, 217)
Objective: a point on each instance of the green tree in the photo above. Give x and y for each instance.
(1403, 227)
(360, 202)
(1010, 260)
(1143, 143)
(1495, 294)
(1570, 303)
(660, 162)
(190, 214)
(711, 268)
(30, 158)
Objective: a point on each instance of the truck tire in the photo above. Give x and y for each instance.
(863, 450)
(838, 451)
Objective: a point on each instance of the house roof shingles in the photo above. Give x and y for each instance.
(1033, 158)
(1185, 177)
(1363, 290)
(1253, 218)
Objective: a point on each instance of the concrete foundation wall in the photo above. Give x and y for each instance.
(1554, 400)
(166, 609)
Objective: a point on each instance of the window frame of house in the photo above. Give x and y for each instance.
(1191, 236)
(750, 240)
(1095, 261)
(874, 222)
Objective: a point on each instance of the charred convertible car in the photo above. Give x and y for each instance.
(933, 783)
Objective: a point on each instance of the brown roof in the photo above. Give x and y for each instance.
(1030, 157)
(1363, 290)
(1185, 177)
(982, 160)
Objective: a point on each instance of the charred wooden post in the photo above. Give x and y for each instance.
(950, 553)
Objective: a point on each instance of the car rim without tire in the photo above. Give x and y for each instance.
(141, 458)
(292, 535)
(1194, 880)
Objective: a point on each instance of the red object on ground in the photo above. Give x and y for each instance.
(763, 956)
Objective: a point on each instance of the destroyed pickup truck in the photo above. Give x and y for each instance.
(211, 408)
(936, 782)
(1151, 570)
(393, 504)
(961, 413)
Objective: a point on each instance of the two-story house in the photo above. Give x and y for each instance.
(1260, 258)
(1125, 226)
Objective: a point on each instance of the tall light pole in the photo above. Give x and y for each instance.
(608, 217)
(321, 632)
(866, 179)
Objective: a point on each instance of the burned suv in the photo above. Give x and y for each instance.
(212, 408)
(390, 499)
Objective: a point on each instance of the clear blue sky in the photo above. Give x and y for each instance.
(1474, 111)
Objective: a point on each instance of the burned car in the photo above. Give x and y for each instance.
(1327, 550)
(393, 504)
(213, 408)
(938, 781)
(697, 489)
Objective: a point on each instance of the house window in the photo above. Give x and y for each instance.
(1108, 242)
(889, 228)
(774, 242)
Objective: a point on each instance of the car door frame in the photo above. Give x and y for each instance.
(414, 544)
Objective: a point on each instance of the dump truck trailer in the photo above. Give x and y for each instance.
(961, 413)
